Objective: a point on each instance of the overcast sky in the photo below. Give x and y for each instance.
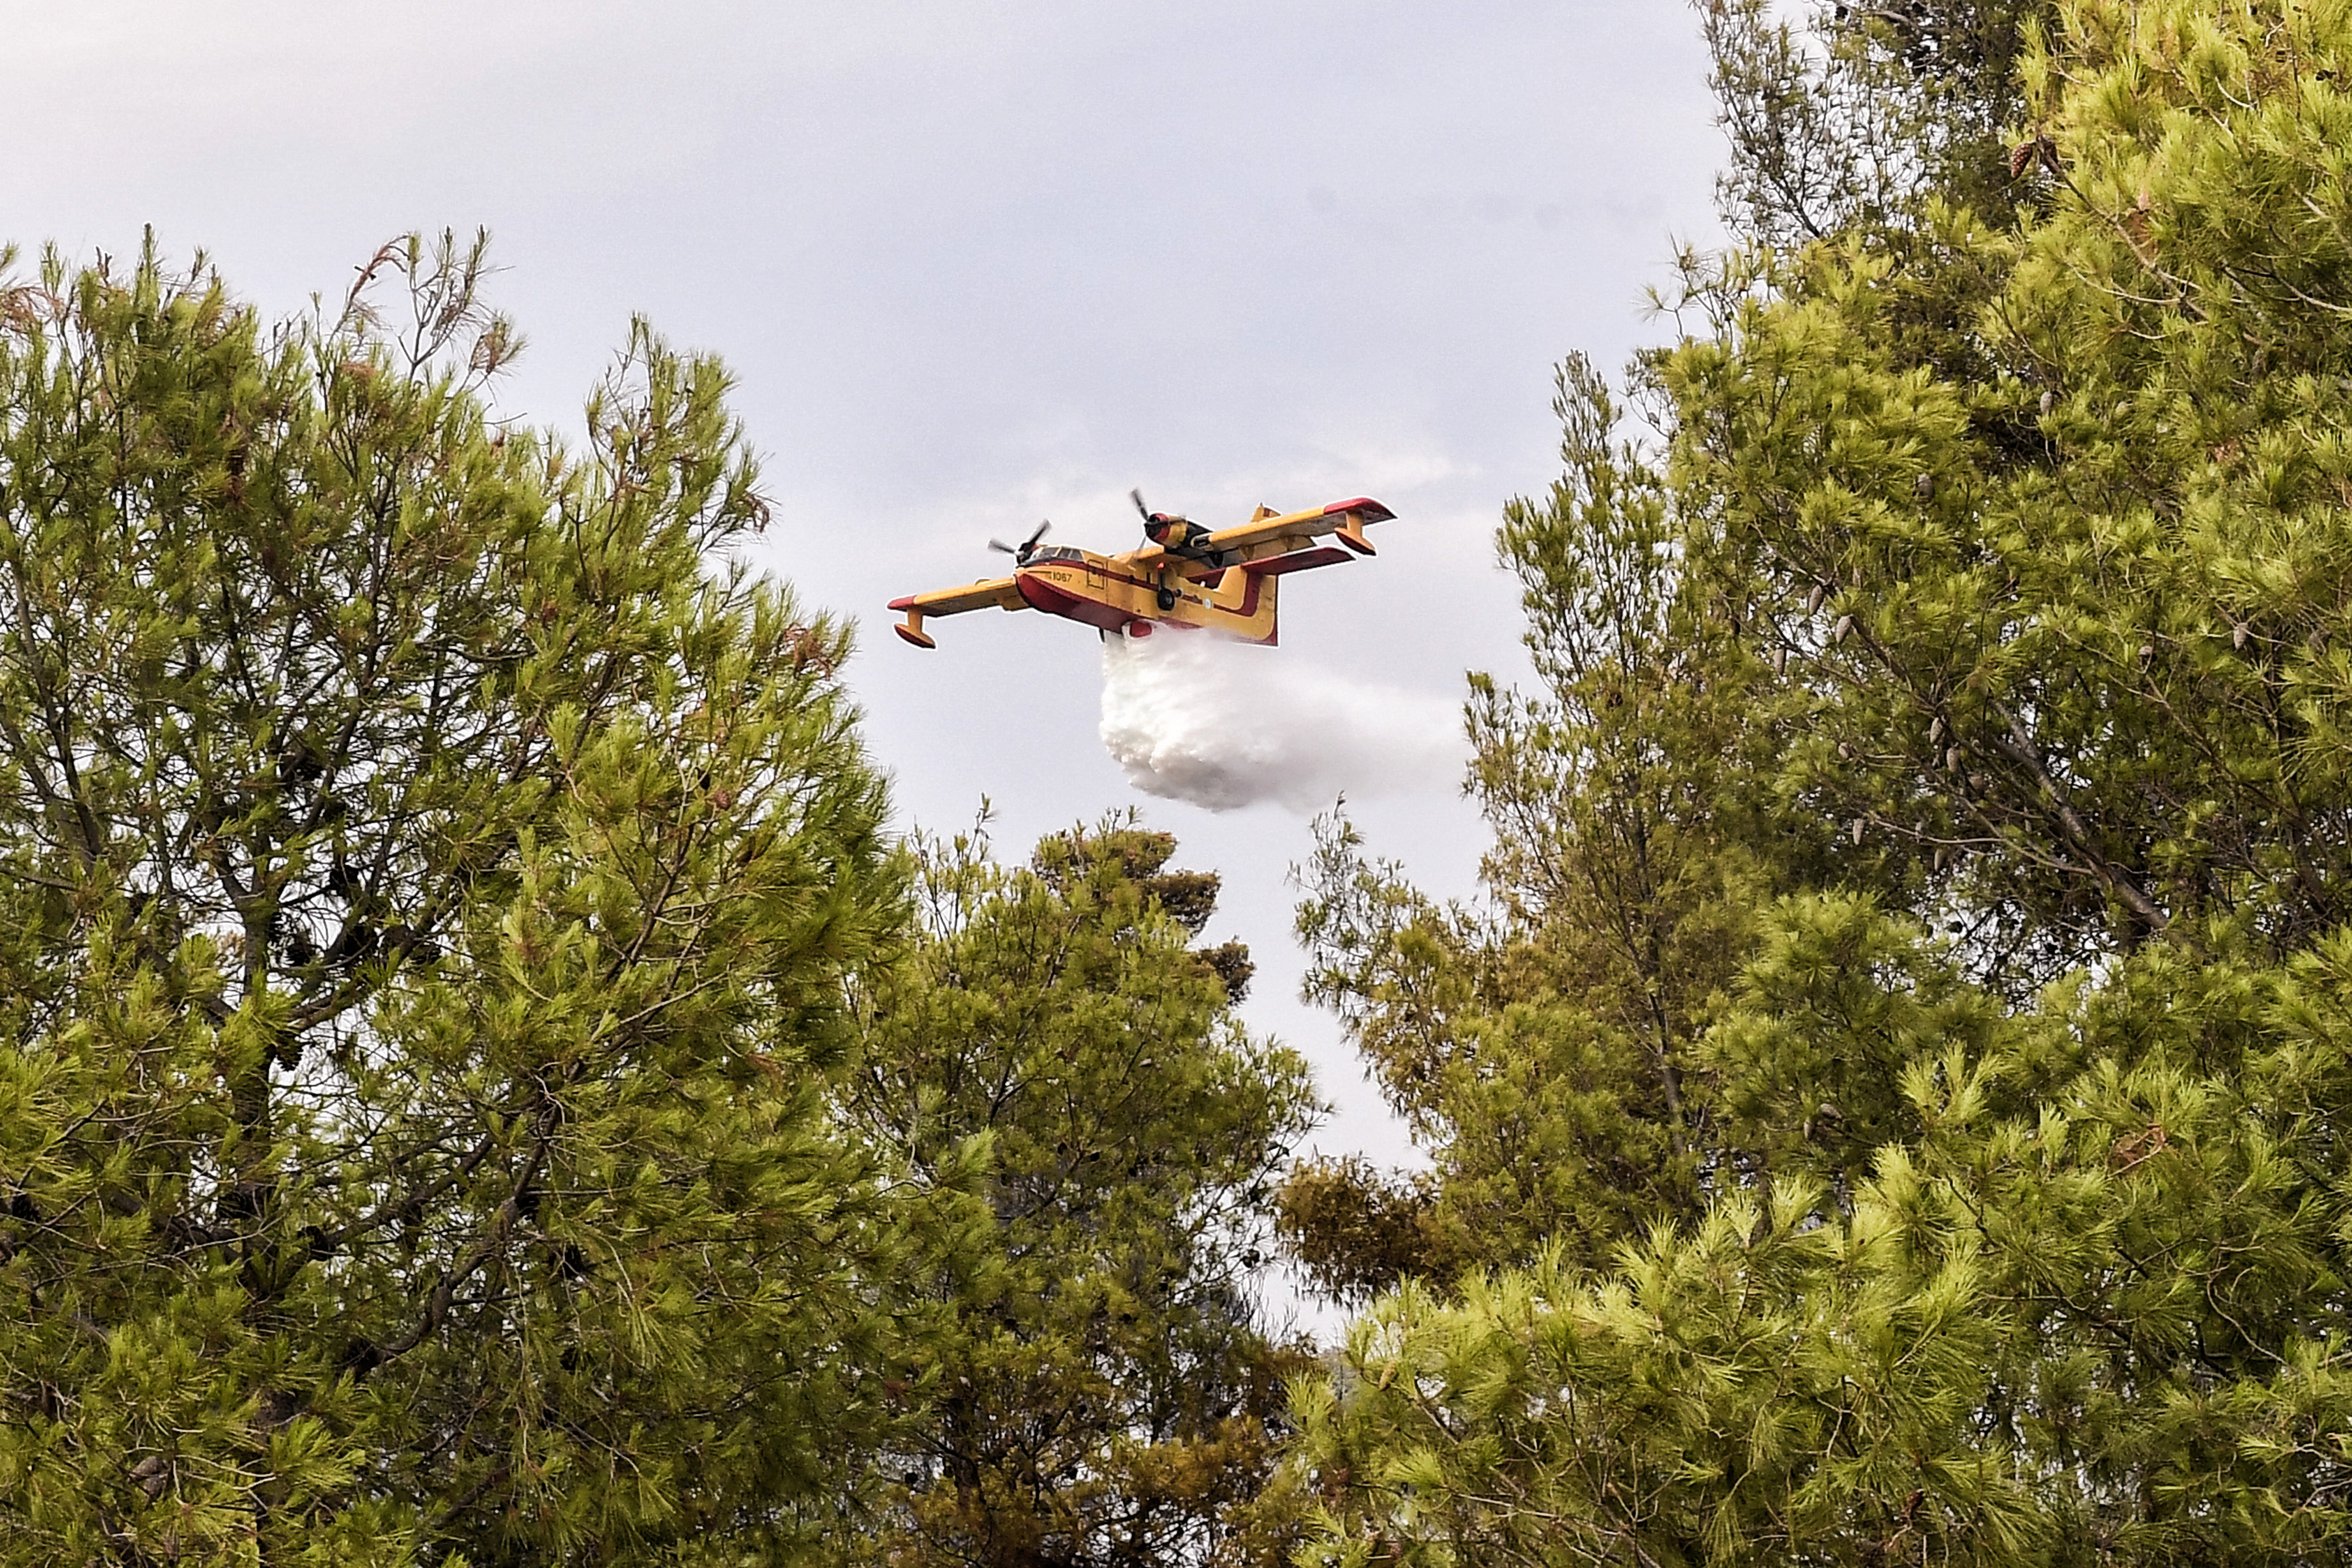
(975, 265)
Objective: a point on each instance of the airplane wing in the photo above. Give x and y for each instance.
(1269, 536)
(1345, 517)
(999, 592)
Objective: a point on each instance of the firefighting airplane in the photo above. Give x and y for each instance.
(1186, 576)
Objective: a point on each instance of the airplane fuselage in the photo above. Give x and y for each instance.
(1100, 592)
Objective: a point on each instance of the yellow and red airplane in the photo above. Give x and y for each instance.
(1185, 577)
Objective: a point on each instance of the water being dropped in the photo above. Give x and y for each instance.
(1192, 716)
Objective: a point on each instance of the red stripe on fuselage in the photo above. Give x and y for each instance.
(1041, 594)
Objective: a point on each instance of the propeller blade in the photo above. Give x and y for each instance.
(1136, 497)
(1028, 547)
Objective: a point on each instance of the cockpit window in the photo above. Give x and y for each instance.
(1058, 552)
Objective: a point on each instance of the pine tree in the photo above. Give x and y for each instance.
(429, 878)
(2023, 1229)
(1546, 1053)
(1065, 1077)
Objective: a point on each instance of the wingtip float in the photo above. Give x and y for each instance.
(1184, 575)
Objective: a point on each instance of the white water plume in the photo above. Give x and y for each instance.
(1197, 717)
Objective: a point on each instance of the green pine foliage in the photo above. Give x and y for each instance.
(2099, 1323)
(1066, 1082)
(429, 878)
(1548, 1054)
(1978, 774)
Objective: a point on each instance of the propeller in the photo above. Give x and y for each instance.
(1177, 535)
(1028, 547)
(1153, 519)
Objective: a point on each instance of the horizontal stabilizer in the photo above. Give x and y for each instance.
(1296, 561)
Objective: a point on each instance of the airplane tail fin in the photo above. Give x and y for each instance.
(1269, 595)
(1247, 596)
